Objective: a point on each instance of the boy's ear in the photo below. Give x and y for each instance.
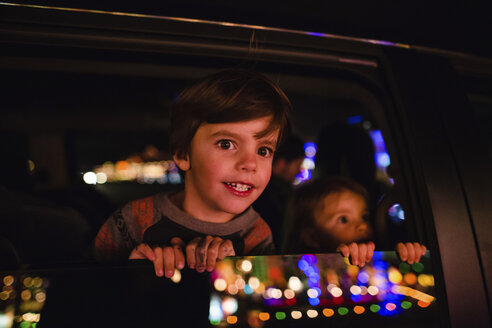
(182, 163)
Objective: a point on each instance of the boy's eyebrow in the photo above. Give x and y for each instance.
(270, 141)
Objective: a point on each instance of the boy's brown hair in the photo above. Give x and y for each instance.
(226, 97)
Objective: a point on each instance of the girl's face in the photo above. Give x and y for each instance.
(343, 216)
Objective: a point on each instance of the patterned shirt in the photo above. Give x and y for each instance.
(155, 220)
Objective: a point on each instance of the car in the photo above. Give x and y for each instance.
(84, 111)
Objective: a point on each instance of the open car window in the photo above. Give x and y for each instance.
(310, 290)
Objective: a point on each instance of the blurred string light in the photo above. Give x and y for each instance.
(215, 310)
(307, 264)
(161, 172)
(396, 213)
(308, 164)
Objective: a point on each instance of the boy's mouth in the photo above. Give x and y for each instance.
(240, 187)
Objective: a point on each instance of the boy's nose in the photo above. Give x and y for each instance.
(247, 162)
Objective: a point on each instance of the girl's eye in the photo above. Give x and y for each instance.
(342, 220)
(225, 144)
(265, 152)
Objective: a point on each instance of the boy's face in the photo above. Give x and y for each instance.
(342, 215)
(227, 169)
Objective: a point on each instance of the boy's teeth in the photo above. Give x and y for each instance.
(239, 186)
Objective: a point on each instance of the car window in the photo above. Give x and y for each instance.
(86, 129)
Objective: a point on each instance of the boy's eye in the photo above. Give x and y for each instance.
(225, 144)
(265, 151)
(342, 220)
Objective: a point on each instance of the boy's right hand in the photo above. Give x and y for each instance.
(166, 258)
(203, 252)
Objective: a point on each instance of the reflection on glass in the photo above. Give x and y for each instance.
(304, 287)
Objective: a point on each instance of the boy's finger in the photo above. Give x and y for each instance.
(411, 253)
(201, 253)
(179, 257)
(190, 252)
(212, 253)
(168, 257)
(158, 262)
(402, 251)
(226, 249)
(354, 253)
(142, 251)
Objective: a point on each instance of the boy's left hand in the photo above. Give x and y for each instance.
(203, 252)
(358, 253)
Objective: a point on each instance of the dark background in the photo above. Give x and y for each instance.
(450, 25)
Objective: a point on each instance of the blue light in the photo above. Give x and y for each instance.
(380, 265)
(363, 277)
(316, 34)
(355, 119)
(356, 298)
(248, 290)
(314, 301)
(383, 159)
(303, 265)
(318, 290)
(310, 258)
(396, 213)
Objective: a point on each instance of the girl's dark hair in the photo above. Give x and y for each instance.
(226, 97)
(308, 197)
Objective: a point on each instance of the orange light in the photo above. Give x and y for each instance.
(328, 312)
(423, 304)
(264, 316)
(410, 278)
(359, 309)
(232, 319)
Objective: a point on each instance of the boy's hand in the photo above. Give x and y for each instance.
(410, 252)
(358, 253)
(203, 252)
(166, 258)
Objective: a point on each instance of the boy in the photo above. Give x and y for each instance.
(224, 131)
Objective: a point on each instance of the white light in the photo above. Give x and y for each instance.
(312, 313)
(254, 282)
(101, 177)
(220, 284)
(289, 293)
(336, 292)
(240, 283)
(295, 284)
(312, 293)
(215, 310)
(246, 266)
(176, 278)
(229, 305)
(90, 178)
(356, 290)
(308, 164)
(373, 290)
(296, 314)
(232, 289)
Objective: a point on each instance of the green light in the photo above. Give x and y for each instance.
(406, 305)
(34, 324)
(418, 267)
(280, 315)
(374, 308)
(343, 311)
(404, 267)
(215, 322)
(25, 324)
